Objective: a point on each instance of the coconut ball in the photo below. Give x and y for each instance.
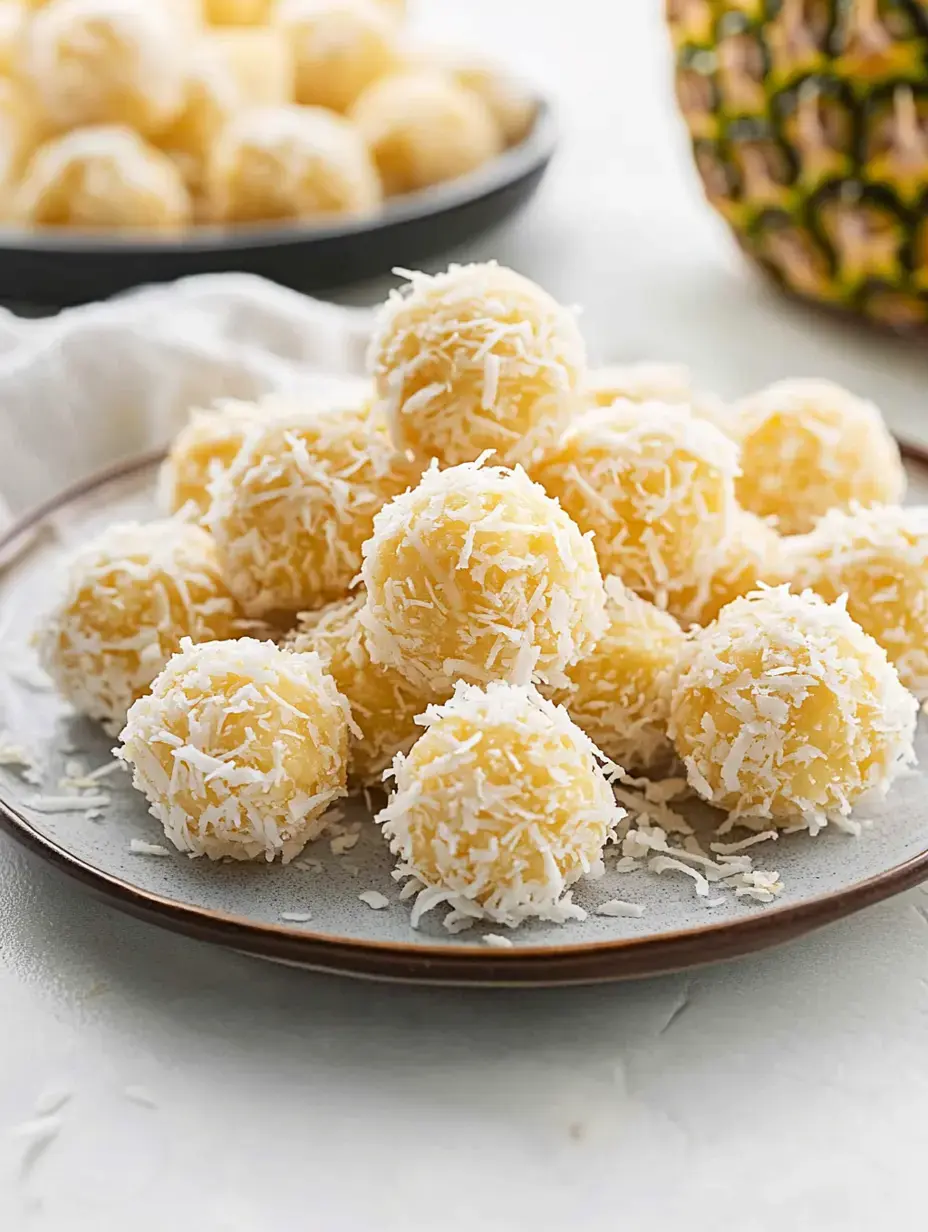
(500, 807)
(511, 105)
(642, 382)
(753, 554)
(878, 557)
(240, 748)
(290, 162)
(809, 446)
(423, 128)
(202, 449)
(131, 595)
(477, 574)
(785, 710)
(12, 30)
(107, 62)
(102, 178)
(383, 703)
(617, 693)
(237, 12)
(475, 359)
(655, 486)
(339, 47)
(20, 134)
(291, 512)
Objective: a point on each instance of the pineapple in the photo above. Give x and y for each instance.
(809, 125)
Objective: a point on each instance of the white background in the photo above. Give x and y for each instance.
(791, 1090)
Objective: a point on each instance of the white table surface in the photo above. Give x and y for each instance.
(790, 1093)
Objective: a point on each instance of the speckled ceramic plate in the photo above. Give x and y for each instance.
(246, 907)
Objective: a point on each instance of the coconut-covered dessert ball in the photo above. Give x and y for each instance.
(477, 574)
(383, 703)
(655, 486)
(618, 693)
(107, 62)
(237, 12)
(641, 382)
(202, 449)
(339, 47)
(289, 162)
(424, 128)
(12, 28)
(131, 595)
(785, 710)
(106, 177)
(474, 359)
(500, 807)
(511, 105)
(754, 553)
(229, 71)
(240, 748)
(20, 133)
(291, 512)
(878, 557)
(808, 446)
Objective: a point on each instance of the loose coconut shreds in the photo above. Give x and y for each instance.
(240, 748)
(499, 808)
(477, 574)
(384, 704)
(879, 558)
(129, 598)
(475, 359)
(784, 709)
(655, 487)
(618, 693)
(292, 511)
(809, 446)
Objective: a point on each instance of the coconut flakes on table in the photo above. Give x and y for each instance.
(296, 917)
(67, 804)
(617, 907)
(77, 778)
(138, 847)
(374, 899)
(496, 942)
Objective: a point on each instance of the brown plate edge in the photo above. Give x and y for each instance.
(587, 963)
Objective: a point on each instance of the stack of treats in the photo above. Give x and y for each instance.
(500, 583)
(158, 114)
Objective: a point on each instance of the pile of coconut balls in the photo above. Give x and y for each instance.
(499, 583)
(158, 114)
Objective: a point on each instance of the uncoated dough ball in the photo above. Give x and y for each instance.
(291, 512)
(477, 358)
(499, 808)
(290, 162)
(339, 46)
(618, 693)
(808, 446)
(131, 596)
(878, 557)
(240, 748)
(105, 177)
(425, 128)
(107, 62)
(654, 485)
(477, 574)
(785, 710)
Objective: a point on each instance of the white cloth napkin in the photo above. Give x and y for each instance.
(95, 384)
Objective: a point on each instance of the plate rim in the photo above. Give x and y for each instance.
(507, 168)
(523, 965)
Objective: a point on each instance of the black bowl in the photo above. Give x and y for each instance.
(54, 269)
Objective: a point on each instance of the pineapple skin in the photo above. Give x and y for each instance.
(809, 126)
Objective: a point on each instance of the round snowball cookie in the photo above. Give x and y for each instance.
(809, 446)
(784, 710)
(618, 693)
(475, 359)
(753, 554)
(383, 703)
(102, 178)
(131, 596)
(423, 129)
(239, 748)
(291, 512)
(107, 62)
(500, 807)
(477, 574)
(878, 557)
(339, 47)
(655, 486)
(202, 449)
(290, 162)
